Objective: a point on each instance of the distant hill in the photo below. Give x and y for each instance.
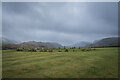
(34, 44)
(30, 44)
(12, 44)
(81, 44)
(8, 41)
(106, 42)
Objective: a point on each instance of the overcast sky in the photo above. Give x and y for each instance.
(64, 23)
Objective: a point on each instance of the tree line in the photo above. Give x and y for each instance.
(73, 49)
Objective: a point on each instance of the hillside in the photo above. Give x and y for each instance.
(106, 42)
(12, 44)
(34, 44)
(8, 41)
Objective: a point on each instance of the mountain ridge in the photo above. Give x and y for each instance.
(105, 42)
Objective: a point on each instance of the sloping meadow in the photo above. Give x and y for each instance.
(99, 63)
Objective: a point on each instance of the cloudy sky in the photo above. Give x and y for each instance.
(62, 22)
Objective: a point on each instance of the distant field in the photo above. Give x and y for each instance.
(99, 63)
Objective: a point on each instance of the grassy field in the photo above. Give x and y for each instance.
(99, 63)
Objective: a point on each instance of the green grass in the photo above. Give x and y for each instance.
(99, 63)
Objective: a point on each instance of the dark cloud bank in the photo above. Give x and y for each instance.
(65, 23)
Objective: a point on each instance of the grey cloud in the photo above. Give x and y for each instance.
(64, 23)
